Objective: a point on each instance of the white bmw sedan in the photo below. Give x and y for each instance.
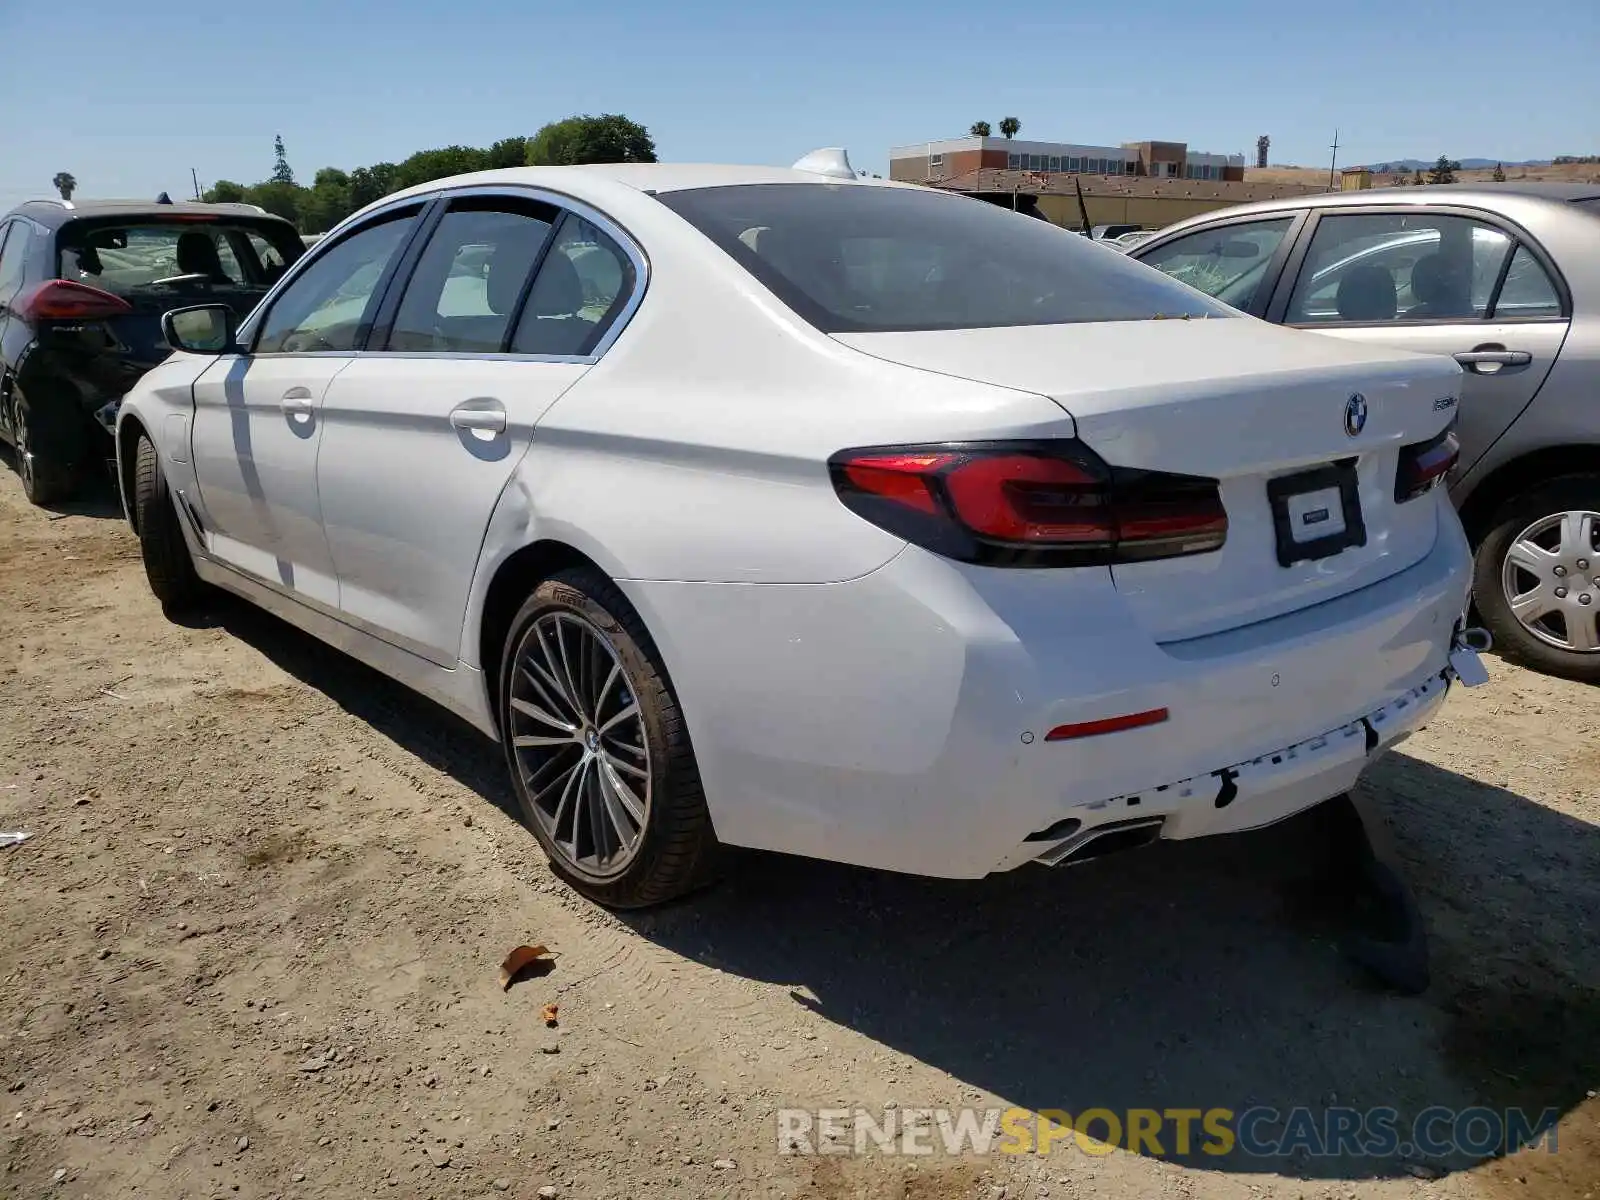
(844, 518)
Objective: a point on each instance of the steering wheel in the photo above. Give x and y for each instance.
(306, 341)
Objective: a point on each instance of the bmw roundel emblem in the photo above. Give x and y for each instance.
(1355, 414)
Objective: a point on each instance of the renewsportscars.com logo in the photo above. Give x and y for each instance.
(1167, 1132)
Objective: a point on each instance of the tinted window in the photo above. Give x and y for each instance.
(152, 258)
(583, 284)
(468, 281)
(860, 258)
(1527, 291)
(329, 305)
(1227, 262)
(1377, 267)
(13, 258)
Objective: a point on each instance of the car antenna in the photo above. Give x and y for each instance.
(830, 160)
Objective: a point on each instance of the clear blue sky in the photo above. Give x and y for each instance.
(129, 97)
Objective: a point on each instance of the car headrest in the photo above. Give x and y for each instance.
(197, 255)
(558, 292)
(508, 271)
(1433, 281)
(1367, 293)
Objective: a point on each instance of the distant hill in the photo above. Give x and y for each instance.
(1391, 165)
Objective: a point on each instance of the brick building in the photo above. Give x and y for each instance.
(930, 162)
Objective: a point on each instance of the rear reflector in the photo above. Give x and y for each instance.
(1065, 733)
(1029, 504)
(1424, 464)
(63, 300)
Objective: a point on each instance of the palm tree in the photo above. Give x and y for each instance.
(1010, 127)
(65, 184)
(980, 129)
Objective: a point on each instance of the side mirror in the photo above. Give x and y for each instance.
(204, 329)
(1239, 248)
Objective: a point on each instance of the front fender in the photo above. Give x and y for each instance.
(162, 406)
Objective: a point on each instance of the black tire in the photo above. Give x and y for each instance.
(1512, 639)
(167, 564)
(675, 847)
(47, 476)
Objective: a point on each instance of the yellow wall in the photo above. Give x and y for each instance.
(1355, 181)
(1151, 212)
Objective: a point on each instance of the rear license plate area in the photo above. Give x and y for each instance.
(1316, 513)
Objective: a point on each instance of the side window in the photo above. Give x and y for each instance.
(329, 304)
(465, 289)
(269, 256)
(1227, 262)
(583, 283)
(1527, 291)
(13, 258)
(1370, 268)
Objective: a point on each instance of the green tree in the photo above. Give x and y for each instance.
(1444, 171)
(371, 183)
(1010, 127)
(224, 191)
(980, 129)
(65, 183)
(608, 138)
(326, 202)
(427, 165)
(280, 199)
(507, 152)
(280, 163)
(1499, 175)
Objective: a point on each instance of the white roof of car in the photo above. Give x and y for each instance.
(642, 177)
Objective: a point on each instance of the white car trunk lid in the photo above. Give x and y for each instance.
(1249, 405)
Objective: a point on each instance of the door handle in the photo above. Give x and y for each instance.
(1486, 360)
(480, 417)
(296, 404)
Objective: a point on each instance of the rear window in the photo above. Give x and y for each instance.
(146, 258)
(853, 258)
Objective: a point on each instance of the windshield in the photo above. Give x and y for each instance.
(853, 258)
(152, 258)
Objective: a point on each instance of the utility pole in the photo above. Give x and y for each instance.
(196, 178)
(1335, 160)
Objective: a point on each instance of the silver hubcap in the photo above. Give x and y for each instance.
(578, 739)
(1551, 579)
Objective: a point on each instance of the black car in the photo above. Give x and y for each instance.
(83, 286)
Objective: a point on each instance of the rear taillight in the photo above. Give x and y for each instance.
(1029, 504)
(63, 300)
(1424, 464)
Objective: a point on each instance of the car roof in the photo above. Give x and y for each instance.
(1493, 195)
(593, 180)
(55, 213)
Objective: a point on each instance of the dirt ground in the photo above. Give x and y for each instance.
(252, 950)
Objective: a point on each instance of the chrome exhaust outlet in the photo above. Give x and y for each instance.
(1103, 839)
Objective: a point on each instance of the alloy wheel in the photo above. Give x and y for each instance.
(578, 739)
(1551, 580)
(22, 446)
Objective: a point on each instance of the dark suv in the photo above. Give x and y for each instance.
(82, 290)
